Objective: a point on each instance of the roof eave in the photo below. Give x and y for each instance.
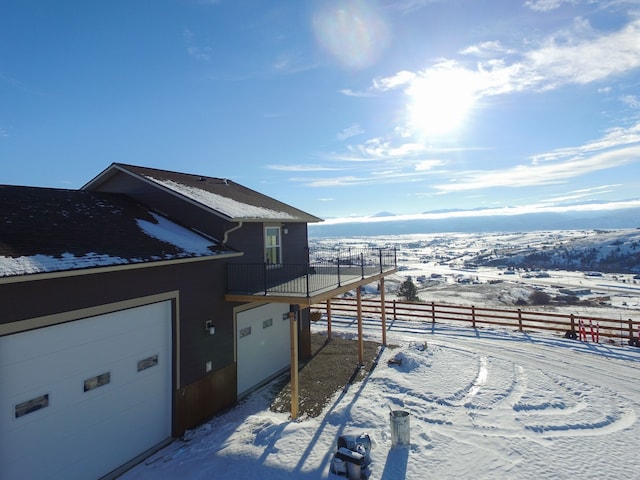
(102, 176)
(115, 168)
(275, 220)
(29, 277)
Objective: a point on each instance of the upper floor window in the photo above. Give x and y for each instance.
(272, 246)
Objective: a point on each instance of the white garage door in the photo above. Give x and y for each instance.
(262, 338)
(79, 399)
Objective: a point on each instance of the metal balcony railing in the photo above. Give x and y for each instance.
(326, 270)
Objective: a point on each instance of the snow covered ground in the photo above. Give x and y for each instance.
(436, 264)
(483, 404)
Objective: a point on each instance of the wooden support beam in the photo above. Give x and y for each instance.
(293, 323)
(360, 339)
(383, 313)
(329, 319)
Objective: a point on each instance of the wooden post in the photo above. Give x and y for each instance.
(433, 312)
(293, 322)
(360, 339)
(473, 315)
(329, 319)
(384, 313)
(520, 319)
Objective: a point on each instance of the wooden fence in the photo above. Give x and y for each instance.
(625, 330)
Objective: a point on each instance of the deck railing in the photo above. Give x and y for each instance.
(326, 269)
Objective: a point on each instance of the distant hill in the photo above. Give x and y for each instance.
(572, 220)
(593, 250)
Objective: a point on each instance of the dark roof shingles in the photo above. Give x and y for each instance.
(57, 222)
(225, 188)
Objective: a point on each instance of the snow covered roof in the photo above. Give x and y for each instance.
(52, 230)
(227, 198)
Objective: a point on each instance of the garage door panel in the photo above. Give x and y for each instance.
(265, 350)
(86, 433)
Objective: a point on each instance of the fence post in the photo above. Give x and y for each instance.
(520, 319)
(362, 264)
(573, 323)
(631, 330)
(473, 315)
(380, 256)
(329, 319)
(433, 312)
(383, 312)
(264, 278)
(395, 315)
(338, 263)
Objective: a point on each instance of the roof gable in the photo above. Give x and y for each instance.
(49, 230)
(225, 197)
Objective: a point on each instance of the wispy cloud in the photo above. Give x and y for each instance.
(198, 52)
(428, 165)
(584, 57)
(291, 63)
(387, 177)
(583, 193)
(632, 101)
(546, 5)
(381, 148)
(400, 79)
(302, 168)
(404, 161)
(355, 93)
(349, 132)
(408, 6)
(537, 174)
(579, 55)
(488, 48)
(345, 181)
(615, 137)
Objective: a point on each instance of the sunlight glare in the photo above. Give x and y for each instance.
(440, 101)
(352, 31)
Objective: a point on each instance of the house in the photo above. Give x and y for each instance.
(143, 304)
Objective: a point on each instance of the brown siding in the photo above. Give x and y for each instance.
(295, 244)
(304, 335)
(250, 240)
(199, 401)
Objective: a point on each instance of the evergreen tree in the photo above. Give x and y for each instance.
(408, 290)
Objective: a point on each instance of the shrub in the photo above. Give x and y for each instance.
(539, 297)
(408, 290)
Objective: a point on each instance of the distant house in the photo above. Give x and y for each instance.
(576, 292)
(141, 305)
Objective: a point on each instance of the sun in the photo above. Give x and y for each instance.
(441, 100)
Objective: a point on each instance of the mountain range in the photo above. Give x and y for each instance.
(388, 224)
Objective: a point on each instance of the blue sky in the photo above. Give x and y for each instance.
(340, 108)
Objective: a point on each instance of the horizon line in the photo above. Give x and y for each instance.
(485, 212)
